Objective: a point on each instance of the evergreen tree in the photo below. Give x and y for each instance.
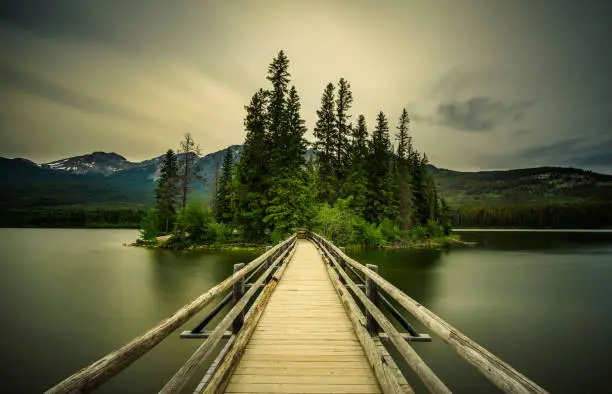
(167, 191)
(404, 152)
(379, 171)
(356, 183)
(278, 75)
(324, 147)
(344, 101)
(253, 170)
(189, 170)
(223, 200)
(289, 191)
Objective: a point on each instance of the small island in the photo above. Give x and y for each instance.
(354, 187)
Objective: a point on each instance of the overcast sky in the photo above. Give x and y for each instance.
(489, 84)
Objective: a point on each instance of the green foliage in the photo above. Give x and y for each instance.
(223, 200)
(149, 226)
(434, 230)
(223, 233)
(277, 236)
(367, 234)
(72, 217)
(196, 224)
(366, 192)
(167, 192)
(389, 230)
(541, 215)
(379, 166)
(325, 132)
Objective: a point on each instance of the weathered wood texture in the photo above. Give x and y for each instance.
(222, 374)
(304, 342)
(427, 376)
(492, 367)
(108, 366)
(186, 372)
(385, 369)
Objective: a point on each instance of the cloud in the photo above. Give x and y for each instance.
(479, 113)
(22, 80)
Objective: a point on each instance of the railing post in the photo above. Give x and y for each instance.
(269, 258)
(372, 293)
(238, 292)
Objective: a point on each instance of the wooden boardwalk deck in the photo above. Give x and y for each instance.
(304, 342)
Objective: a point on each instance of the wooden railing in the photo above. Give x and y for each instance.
(272, 262)
(378, 325)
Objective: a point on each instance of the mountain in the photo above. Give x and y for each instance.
(96, 162)
(521, 186)
(102, 179)
(97, 179)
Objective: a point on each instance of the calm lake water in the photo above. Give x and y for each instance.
(539, 300)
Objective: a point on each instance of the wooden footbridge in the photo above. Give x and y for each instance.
(297, 326)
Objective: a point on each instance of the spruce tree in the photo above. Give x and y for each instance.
(356, 183)
(404, 151)
(379, 166)
(223, 200)
(278, 75)
(167, 191)
(344, 101)
(324, 147)
(253, 170)
(289, 190)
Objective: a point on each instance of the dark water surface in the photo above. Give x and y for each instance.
(540, 301)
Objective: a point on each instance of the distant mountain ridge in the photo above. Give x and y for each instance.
(101, 179)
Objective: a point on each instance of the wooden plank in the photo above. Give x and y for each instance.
(303, 357)
(186, 372)
(492, 367)
(278, 371)
(387, 378)
(423, 371)
(306, 379)
(304, 341)
(301, 388)
(222, 374)
(302, 365)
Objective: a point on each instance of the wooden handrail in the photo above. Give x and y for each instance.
(110, 365)
(492, 367)
(427, 376)
(185, 373)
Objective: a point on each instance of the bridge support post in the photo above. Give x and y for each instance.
(238, 292)
(372, 294)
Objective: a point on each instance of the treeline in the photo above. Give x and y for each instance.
(73, 218)
(357, 188)
(582, 215)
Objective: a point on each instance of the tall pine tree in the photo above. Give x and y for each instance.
(223, 201)
(167, 192)
(379, 166)
(324, 147)
(356, 183)
(253, 170)
(404, 151)
(344, 101)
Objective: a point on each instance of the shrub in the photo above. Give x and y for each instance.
(223, 232)
(368, 234)
(196, 224)
(149, 226)
(390, 230)
(434, 230)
